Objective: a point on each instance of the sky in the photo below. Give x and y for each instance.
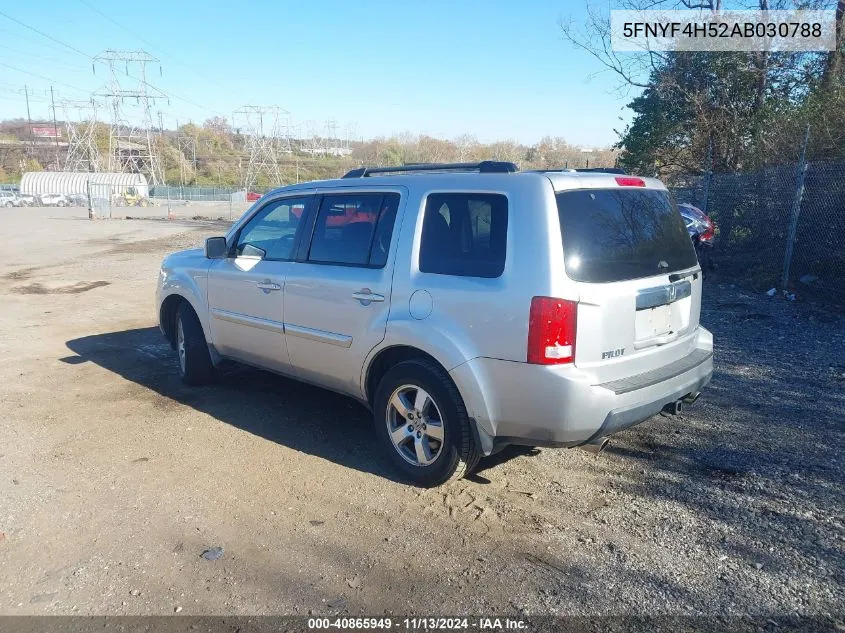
(493, 69)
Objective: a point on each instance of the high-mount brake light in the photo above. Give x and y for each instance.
(630, 181)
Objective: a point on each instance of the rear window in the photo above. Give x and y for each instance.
(619, 234)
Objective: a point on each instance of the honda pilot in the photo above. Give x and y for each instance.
(467, 306)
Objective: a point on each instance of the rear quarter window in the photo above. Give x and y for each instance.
(621, 234)
(464, 234)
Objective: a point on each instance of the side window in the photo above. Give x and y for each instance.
(273, 229)
(354, 229)
(464, 234)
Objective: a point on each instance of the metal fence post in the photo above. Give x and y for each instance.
(88, 191)
(708, 174)
(796, 209)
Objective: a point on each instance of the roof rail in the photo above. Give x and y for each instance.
(483, 167)
(594, 170)
(603, 170)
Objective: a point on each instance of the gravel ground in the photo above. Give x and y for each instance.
(114, 478)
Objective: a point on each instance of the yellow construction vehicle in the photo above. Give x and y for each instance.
(130, 197)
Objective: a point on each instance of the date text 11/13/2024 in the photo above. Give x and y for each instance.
(417, 623)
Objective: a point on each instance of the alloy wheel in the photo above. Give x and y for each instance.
(415, 425)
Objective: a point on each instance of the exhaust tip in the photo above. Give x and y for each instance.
(596, 446)
(691, 398)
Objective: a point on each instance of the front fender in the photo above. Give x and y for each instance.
(192, 286)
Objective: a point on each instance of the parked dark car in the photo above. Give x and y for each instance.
(702, 232)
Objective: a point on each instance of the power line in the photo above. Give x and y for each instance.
(42, 34)
(20, 93)
(52, 60)
(33, 40)
(93, 59)
(26, 72)
(180, 98)
(148, 43)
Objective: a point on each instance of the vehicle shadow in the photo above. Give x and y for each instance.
(285, 411)
(302, 417)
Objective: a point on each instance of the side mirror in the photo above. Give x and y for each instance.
(216, 248)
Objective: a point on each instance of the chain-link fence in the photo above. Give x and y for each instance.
(115, 201)
(781, 227)
(195, 194)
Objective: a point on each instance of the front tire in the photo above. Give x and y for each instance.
(193, 359)
(422, 424)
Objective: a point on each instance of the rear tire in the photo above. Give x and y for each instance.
(193, 359)
(422, 424)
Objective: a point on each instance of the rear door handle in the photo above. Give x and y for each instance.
(366, 296)
(267, 286)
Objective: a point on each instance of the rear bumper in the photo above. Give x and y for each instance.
(518, 403)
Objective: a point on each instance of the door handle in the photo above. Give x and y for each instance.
(267, 286)
(366, 296)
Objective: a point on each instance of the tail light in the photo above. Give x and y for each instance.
(630, 181)
(710, 233)
(551, 331)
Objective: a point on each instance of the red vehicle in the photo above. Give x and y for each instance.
(341, 215)
(251, 196)
(702, 231)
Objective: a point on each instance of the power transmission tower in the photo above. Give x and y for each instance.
(188, 152)
(331, 137)
(267, 132)
(81, 124)
(131, 141)
(351, 130)
(312, 143)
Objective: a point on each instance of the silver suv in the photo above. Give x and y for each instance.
(469, 306)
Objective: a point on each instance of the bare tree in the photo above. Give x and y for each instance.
(467, 146)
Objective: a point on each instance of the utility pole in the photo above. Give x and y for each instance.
(29, 122)
(162, 166)
(55, 127)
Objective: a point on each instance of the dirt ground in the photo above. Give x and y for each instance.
(115, 478)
